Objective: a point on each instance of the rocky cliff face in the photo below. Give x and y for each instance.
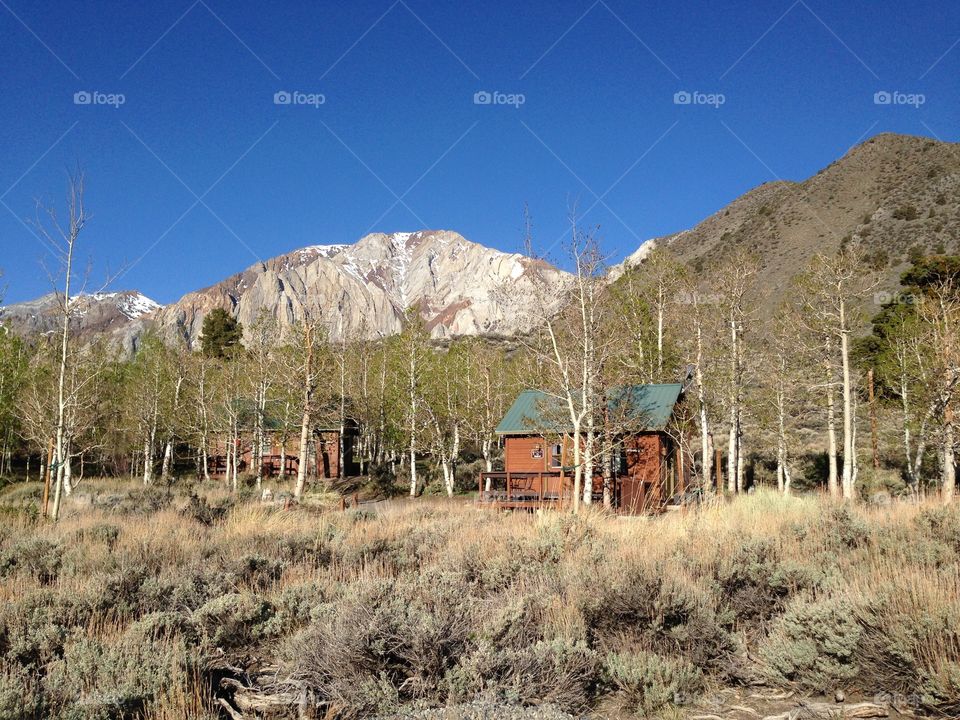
(366, 288)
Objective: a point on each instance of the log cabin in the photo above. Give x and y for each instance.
(281, 454)
(642, 464)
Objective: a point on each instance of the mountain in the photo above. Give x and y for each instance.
(121, 317)
(366, 288)
(895, 195)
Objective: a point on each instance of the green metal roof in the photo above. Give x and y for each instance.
(641, 407)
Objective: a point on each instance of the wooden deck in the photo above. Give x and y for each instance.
(525, 490)
(554, 490)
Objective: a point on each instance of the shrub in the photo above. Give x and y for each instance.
(383, 481)
(755, 583)
(644, 682)
(100, 679)
(813, 645)
(910, 643)
(20, 698)
(106, 533)
(254, 571)
(906, 212)
(232, 620)
(204, 513)
(407, 636)
(559, 672)
(659, 612)
(145, 501)
(942, 523)
(35, 556)
(844, 529)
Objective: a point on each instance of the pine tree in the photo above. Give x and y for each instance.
(221, 334)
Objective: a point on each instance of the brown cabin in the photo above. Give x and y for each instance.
(282, 459)
(646, 472)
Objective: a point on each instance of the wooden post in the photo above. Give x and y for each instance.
(356, 500)
(873, 420)
(508, 487)
(681, 480)
(480, 487)
(343, 504)
(46, 480)
(718, 458)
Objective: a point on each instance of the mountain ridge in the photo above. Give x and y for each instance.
(895, 195)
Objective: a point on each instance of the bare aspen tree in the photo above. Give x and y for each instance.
(734, 278)
(780, 374)
(939, 308)
(833, 285)
(177, 358)
(64, 238)
(413, 350)
(261, 351)
(699, 319)
(572, 347)
(310, 367)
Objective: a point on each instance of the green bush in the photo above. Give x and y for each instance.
(644, 682)
(100, 680)
(20, 696)
(38, 557)
(231, 621)
(559, 672)
(813, 645)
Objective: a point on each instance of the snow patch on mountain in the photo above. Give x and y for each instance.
(632, 260)
(135, 304)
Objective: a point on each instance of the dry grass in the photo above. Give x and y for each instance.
(116, 613)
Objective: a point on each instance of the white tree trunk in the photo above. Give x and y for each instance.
(148, 456)
(165, 466)
(304, 457)
(949, 458)
(848, 419)
(706, 462)
(832, 474)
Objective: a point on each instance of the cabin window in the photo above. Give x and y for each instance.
(537, 452)
(556, 456)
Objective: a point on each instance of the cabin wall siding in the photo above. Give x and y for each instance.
(642, 487)
(518, 453)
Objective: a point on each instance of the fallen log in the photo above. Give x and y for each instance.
(828, 711)
(253, 702)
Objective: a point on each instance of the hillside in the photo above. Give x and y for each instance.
(895, 194)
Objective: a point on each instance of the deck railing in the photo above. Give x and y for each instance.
(525, 489)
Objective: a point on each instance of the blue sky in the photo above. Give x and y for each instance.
(198, 173)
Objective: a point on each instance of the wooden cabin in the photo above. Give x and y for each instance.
(646, 469)
(281, 456)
